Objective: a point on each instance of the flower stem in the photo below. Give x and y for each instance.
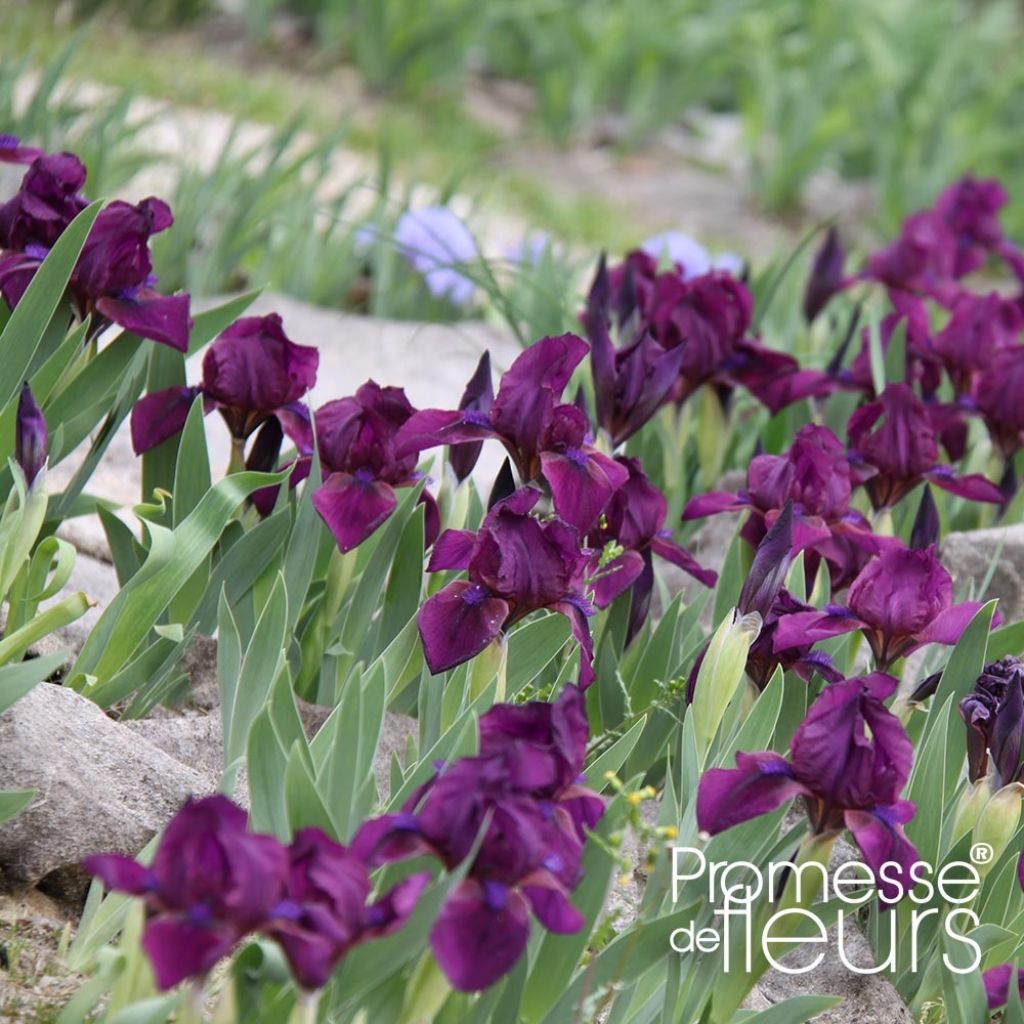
(306, 1007)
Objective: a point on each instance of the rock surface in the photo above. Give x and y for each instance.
(99, 787)
(866, 997)
(969, 556)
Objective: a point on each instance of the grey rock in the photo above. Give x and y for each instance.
(968, 557)
(99, 787)
(395, 734)
(191, 738)
(866, 997)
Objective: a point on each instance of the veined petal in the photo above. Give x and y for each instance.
(804, 628)
(162, 318)
(158, 416)
(458, 622)
(179, 949)
(475, 939)
(615, 577)
(758, 784)
(973, 487)
(452, 550)
(879, 834)
(353, 506)
(675, 553)
(948, 626)
(582, 481)
(712, 503)
(432, 427)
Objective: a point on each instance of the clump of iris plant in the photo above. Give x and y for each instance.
(521, 806)
(547, 439)
(849, 760)
(252, 373)
(900, 601)
(113, 279)
(212, 883)
(516, 564)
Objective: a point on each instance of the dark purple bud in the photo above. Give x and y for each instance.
(31, 437)
(477, 398)
(927, 527)
(826, 276)
(771, 563)
(504, 485)
(262, 457)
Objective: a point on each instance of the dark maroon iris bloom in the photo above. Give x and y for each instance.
(939, 246)
(543, 436)
(31, 436)
(998, 398)
(113, 277)
(707, 316)
(211, 883)
(324, 912)
(849, 759)
(901, 600)
(114, 274)
(48, 200)
(635, 521)
(980, 326)
(997, 984)
(815, 476)
(630, 383)
(826, 277)
(522, 801)
(994, 716)
(517, 564)
(357, 439)
(894, 441)
(251, 373)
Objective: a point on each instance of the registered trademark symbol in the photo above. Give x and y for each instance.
(981, 853)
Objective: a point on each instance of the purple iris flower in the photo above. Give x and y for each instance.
(998, 398)
(31, 436)
(357, 440)
(901, 600)
(815, 475)
(520, 799)
(994, 715)
(630, 383)
(114, 274)
(48, 200)
(543, 746)
(826, 277)
(543, 436)
(979, 327)
(849, 759)
(324, 913)
(894, 441)
(516, 565)
(251, 373)
(635, 520)
(436, 243)
(707, 316)
(211, 883)
(997, 984)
